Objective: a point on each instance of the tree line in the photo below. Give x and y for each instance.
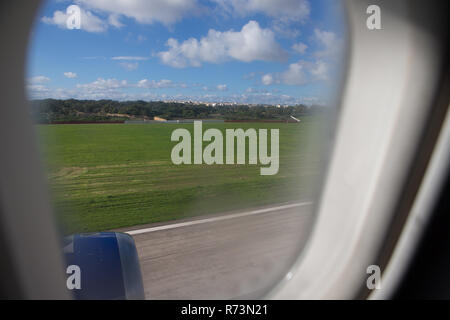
(71, 110)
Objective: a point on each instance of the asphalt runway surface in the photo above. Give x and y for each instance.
(237, 255)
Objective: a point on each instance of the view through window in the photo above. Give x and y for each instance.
(198, 127)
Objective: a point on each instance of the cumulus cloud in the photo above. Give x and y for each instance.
(106, 89)
(260, 97)
(38, 90)
(89, 21)
(320, 70)
(144, 11)
(331, 44)
(295, 74)
(104, 85)
(70, 75)
(148, 84)
(119, 90)
(287, 10)
(299, 47)
(250, 44)
(167, 12)
(330, 49)
(114, 20)
(286, 15)
(38, 79)
(298, 73)
(267, 79)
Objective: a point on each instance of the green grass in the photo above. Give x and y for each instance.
(108, 176)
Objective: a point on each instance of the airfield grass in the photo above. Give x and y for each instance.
(107, 176)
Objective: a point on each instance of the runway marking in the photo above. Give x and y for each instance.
(225, 217)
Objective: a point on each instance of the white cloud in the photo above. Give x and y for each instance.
(106, 89)
(300, 47)
(38, 79)
(285, 30)
(298, 73)
(219, 87)
(295, 74)
(38, 90)
(114, 20)
(113, 84)
(135, 58)
(330, 49)
(222, 87)
(70, 75)
(320, 70)
(130, 66)
(255, 90)
(286, 10)
(148, 84)
(89, 21)
(331, 44)
(302, 72)
(104, 84)
(267, 79)
(250, 44)
(145, 11)
(118, 90)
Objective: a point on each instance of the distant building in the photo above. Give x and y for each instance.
(159, 119)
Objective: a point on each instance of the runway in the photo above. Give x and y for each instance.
(235, 255)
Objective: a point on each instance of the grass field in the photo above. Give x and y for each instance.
(106, 176)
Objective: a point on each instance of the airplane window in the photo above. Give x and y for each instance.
(199, 128)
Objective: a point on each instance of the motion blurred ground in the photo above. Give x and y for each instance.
(108, 176)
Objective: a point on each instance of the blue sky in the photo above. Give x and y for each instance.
(246, 51)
